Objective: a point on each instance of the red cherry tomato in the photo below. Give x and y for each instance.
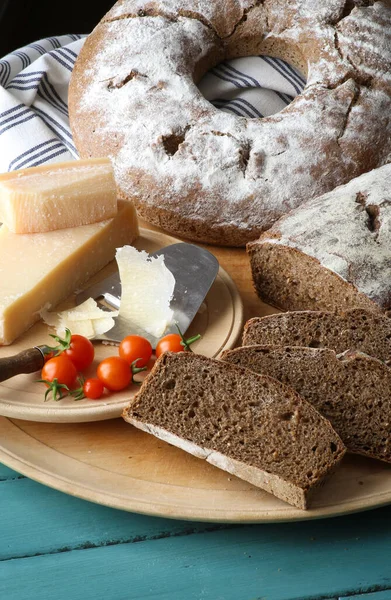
(81, 352)
(48, 356)
(135, 348)
(115, 373)
(93, 388)
(60, 368)
(170, 342)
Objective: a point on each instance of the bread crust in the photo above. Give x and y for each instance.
(331, 253)
(215, 177)
(267, 481)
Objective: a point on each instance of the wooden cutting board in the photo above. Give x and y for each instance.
(111, 463)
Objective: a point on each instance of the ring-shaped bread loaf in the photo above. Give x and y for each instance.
(216, 177)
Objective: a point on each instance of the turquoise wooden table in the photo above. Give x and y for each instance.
(56, 546)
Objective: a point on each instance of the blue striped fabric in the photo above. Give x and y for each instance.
(254, 86)
(34, 125)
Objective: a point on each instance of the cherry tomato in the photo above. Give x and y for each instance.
(48, 356)
(60, 368)
(135, 348)
(115, 373)
(81, 352)
(170, 342)
(93, 388)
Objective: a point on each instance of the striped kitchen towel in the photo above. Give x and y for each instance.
(34, 124)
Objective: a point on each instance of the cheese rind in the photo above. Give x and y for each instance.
(38, 269)
(59, 196)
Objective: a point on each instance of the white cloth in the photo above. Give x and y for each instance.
(34, 124)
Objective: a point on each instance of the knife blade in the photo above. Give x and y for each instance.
(194, 270)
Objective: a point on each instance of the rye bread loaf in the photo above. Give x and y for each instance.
(209, 175)
(352, 390)
(332, 253)
(249, 425)
(356, 329)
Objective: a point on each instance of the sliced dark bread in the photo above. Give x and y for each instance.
(352, 390)
(356, 329)
(249, 425)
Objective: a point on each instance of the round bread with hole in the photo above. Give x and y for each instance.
(215, 177)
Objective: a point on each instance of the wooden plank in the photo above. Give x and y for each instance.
(295, 561)
(383, 595)
(35, 519)
(6, 473)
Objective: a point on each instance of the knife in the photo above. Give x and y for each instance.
(194, 269)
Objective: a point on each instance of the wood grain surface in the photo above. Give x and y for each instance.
(53, 545)
(112, 463)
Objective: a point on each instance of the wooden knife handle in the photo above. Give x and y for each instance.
(26, 361)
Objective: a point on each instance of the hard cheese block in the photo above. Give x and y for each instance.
(68, 194)
(38, 269)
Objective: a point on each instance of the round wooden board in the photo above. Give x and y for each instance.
(112, 463)
(219, 321)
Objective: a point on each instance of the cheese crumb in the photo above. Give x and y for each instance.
(85, 319)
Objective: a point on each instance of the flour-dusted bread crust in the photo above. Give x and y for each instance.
(355, 329)
(249, 425)
(331, 253)
(212, 176)
(352, 389)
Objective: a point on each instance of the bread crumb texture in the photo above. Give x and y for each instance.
(352, 389)
(356, 329)
(256, 425)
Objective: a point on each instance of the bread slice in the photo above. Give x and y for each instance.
(331, 253)
(352, 390)
(355, 329)
(249, 425)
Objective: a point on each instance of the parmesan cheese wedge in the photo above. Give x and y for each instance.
(50, 197)
(37, 269)
(147, 287)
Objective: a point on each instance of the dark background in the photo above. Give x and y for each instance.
(25, 21)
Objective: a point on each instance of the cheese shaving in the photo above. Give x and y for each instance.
(85, 319)
(147, 289)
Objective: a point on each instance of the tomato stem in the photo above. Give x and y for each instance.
(78, 393)
(136, 370)
(62, 343)
(55, 388)
(186, 343)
